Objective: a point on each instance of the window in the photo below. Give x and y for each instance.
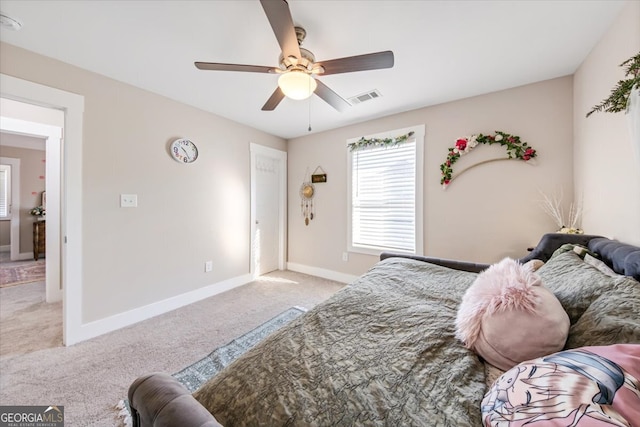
(5, 191)
(385, 195)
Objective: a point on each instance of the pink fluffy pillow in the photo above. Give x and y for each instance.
(507, 316)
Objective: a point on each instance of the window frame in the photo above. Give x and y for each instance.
(7, 168)
(419, 134)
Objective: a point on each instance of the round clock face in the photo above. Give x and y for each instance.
(184, 151)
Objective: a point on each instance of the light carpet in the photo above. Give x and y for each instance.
(198, 373)
(88, 378)
(27, 322)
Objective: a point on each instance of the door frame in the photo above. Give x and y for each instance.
(53, 184)
(281, 159)
(71, 192)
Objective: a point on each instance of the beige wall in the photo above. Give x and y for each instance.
(186, 215)
(605, 169)
(487, 213)
(32, 184)
(190, 214)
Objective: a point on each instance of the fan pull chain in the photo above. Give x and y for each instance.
(310, 106)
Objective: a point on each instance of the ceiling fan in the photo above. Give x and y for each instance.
(298, 67)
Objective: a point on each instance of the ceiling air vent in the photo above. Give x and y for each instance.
(367, 96)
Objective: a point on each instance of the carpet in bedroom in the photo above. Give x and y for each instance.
(27, 322)
(196, 374)
(88, 378)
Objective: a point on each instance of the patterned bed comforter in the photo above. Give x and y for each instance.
(381, 351)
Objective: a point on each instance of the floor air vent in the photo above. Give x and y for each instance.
(367, 96)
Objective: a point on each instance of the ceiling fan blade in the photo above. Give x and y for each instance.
(233, 67)
(279, 17)
(330, 97)
(369, 61)
(273, 100)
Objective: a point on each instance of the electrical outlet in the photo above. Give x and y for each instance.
(128, 200)
(345, 256)
(208, 266)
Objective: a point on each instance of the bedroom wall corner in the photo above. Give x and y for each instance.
(488, 213)
(605, 171)
(136, 260)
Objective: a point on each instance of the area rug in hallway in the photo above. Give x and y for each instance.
(196, 374)
(17, 273)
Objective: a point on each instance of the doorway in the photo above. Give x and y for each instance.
(53, 146)
(70, 196)
(268, 209)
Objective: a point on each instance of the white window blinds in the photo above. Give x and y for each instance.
(5, 190)
(383, 197)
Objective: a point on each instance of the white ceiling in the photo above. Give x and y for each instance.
(444, 50)
(21, 141)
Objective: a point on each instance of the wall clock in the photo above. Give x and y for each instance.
(184, 151)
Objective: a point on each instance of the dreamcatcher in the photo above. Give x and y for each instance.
(307, 191)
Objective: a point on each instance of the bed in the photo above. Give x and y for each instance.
(383, 350)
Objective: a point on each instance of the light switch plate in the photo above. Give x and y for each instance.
(128, 200)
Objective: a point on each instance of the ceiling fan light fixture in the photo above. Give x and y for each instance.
(297, 66)
(297, 85)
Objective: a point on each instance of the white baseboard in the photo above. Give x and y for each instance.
(121, 320)
(321, 272)
(5, 248)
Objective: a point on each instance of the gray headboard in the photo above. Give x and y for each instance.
(623, 258)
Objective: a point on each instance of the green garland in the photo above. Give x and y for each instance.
(617, 101)
(516, 149)
(363, 143)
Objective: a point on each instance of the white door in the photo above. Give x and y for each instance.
(268, 209)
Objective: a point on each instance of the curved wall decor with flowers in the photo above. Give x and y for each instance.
(516, 149)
